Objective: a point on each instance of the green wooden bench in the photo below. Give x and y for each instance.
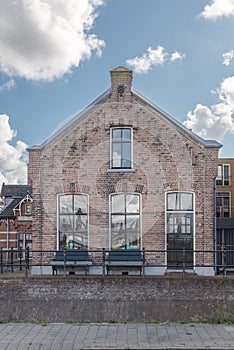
(70, 260)
(125, 259)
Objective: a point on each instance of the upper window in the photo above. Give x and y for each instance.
(73, 221)
(125, 221)
(223, 204)
(223, 177)
(179, 201)
(121, 148)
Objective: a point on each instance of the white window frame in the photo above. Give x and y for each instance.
(110, 216)
(221, 180)
(58, 215)
(181, 211)
(111, 149)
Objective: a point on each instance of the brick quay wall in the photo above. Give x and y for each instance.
(115, 299)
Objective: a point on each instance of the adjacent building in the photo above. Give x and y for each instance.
(15, 218)
(123, 174)
(225, 211)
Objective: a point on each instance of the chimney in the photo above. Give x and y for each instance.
(121, 84)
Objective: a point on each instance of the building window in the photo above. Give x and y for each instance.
(73, 221)
(121, 148)
(180, 229)
(179, 213)
(125, 221)
(24, 242)
(28, 209)
(223, 204)
(223, 177)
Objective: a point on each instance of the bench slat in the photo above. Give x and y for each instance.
(125, 255)
(72, 255)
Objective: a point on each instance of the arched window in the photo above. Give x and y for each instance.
(73, 221)
(125, 221)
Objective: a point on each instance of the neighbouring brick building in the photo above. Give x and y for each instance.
(15, 217)
(123, 174)
(225, 211)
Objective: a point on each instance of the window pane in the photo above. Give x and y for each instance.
(80, 223)
(180, 223)
(186, 201)
(132, 203)
(126, 161)
(226, 202)
(126, 134)
(218, 201)
(116, 155)
(118, 203)
(66, 223)
(180, 201)
(80, 241)
(133, 240)
(219, 176)
(81, 204)
(118, 232)
(226, 175)
(226, 171)
(117, 223)
(132, 223)
(66, 204)
(116, 134)
(171, 201)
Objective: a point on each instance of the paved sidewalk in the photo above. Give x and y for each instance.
(58, 336)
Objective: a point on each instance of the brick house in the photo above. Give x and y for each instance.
(123, 174)
(225, 211)
(15, 217)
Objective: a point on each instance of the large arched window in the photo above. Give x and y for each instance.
(125, 221)
(73, 221)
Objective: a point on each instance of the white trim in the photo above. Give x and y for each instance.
(181, 211)
(58, 213)
(26, 199)
(111, 144)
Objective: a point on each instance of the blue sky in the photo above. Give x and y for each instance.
(55, 58)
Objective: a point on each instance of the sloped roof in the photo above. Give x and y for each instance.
(15, 190)
(70, 121)
(12, 195)
(7, 210)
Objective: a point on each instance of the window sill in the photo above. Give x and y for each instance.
(121, 170)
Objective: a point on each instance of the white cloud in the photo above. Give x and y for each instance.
(216, 121)
(152, 57)
(217, 9)
(8, 85)
(177, 56)
(227, 57)
(44, 39)
(13, 159)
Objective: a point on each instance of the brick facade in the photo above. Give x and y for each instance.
(165, 157)
(15, 219)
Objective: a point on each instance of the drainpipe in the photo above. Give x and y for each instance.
(7, 241)
(215, 228)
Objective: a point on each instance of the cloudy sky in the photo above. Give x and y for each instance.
(55, 58)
